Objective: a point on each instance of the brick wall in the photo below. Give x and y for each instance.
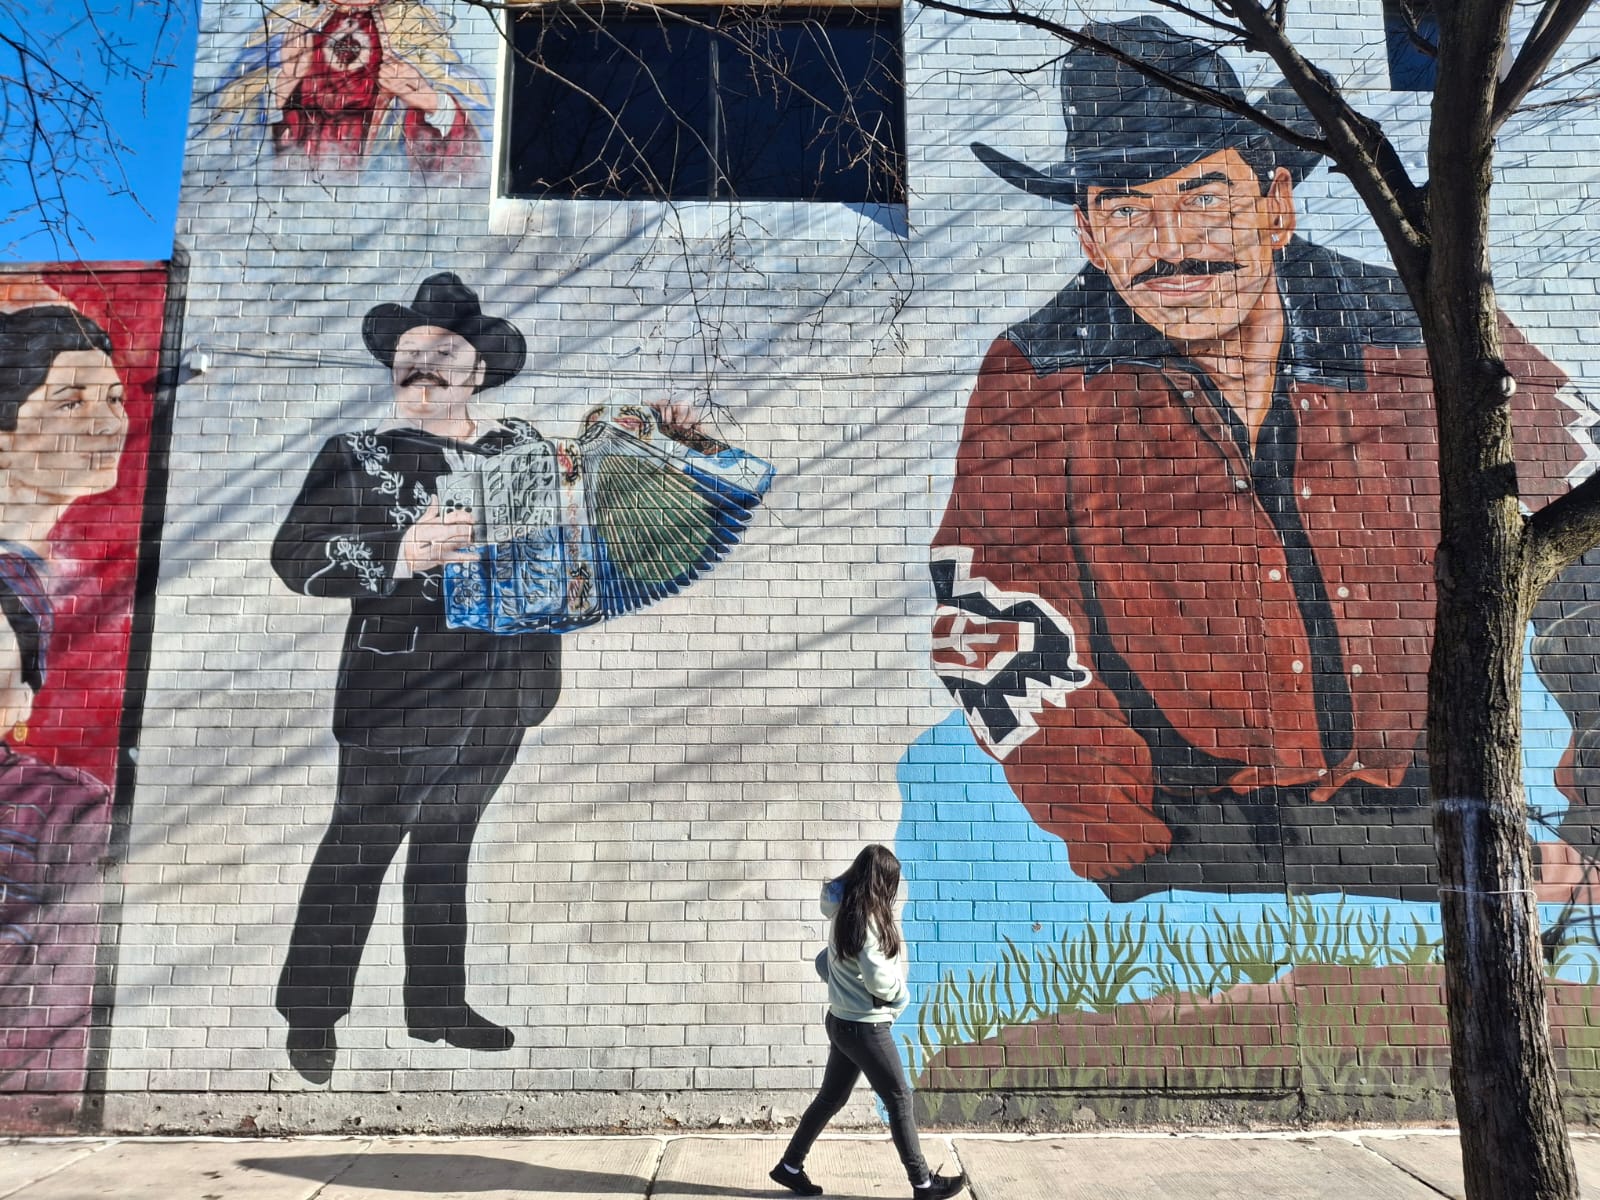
(640, 902)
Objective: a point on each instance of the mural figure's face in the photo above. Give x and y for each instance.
(1191, 253)
(435, 374)
(70, 432)
(16, 697)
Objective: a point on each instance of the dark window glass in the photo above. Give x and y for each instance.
(776, 103)
(1412, 34)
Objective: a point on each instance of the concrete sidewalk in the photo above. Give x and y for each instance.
(1371, 1164)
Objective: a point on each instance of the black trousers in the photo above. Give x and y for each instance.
(435, 798)
(1362, 841)
(856, 1048)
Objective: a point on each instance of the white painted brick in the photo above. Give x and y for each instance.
(644, 886)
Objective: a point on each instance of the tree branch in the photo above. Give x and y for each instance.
(1183, 87)
(55, 130)
(1355, 142)
(1550, 32)
(1562, 532)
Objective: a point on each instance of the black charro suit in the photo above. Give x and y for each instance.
(428, 720)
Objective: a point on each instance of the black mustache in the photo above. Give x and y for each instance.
(1188, 266)
(423, 376)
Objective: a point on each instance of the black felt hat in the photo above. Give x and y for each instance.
(1125, 128)
(444, 301)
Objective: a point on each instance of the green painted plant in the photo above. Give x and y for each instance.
(1101, 965)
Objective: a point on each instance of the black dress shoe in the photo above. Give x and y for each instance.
(312, 1051)
(459, 1026)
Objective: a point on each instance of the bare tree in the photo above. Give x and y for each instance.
(56, 134)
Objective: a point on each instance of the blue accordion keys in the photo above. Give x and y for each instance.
(570, 533)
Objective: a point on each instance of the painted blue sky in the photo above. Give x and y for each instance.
(136, 57)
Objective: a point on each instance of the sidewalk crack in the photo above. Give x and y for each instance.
(90, 1151)
(338, 1175)
(1403, 1169)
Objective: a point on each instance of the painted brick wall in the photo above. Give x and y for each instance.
(641, 898)
(83, 406)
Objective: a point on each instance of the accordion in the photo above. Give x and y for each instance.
(570, 533)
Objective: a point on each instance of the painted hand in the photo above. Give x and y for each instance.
(406, 84)
(437, 538)
(682, 422)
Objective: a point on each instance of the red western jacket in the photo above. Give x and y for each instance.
(1132, 596)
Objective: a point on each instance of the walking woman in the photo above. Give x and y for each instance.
(866, 974)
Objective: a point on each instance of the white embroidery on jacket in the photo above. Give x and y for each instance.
(354, 554)
(373, 456)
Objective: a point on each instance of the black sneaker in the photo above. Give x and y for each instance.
(796, 1181)
(940, 1187)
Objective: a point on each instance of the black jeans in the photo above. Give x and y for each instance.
(436, 799)
(857, 1047)
(1365, 840)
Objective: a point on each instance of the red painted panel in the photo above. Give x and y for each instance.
(95, 546)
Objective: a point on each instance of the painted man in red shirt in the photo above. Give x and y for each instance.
(1185, 575)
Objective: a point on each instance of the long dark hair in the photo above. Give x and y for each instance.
(25, 606)
(869, 887)
(30, 339)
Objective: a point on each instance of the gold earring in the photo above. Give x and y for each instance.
(19, 732)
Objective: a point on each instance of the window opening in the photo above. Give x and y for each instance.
(1411, 32)
(776, 102)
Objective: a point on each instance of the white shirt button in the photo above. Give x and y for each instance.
(1356, 670)
(1305, 404)
(1274, 574)
(1305, 492)
(1297, 666)
(1240, 485)
(1344, 593)
(1187, 395)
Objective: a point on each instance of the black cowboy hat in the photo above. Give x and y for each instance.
(1125, 128)
(444, 301)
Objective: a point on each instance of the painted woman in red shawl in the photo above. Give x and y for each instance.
(54, 823)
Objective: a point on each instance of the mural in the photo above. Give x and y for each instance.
(1165, 831)
(352, 85)
(464, 545)
(79, 353)
(1184, 580)
(1211, 673)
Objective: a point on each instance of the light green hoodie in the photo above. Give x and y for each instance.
(853, 982)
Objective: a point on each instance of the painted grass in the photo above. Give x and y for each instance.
(1098, 966)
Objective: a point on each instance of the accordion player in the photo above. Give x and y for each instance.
(570, 533)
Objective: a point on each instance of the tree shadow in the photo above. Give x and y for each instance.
(471, 1173)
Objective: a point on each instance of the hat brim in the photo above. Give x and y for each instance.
(1064, 182)
(498, 342)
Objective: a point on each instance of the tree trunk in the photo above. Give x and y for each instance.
(1513, 1137)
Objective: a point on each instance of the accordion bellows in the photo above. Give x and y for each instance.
(572, 533)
